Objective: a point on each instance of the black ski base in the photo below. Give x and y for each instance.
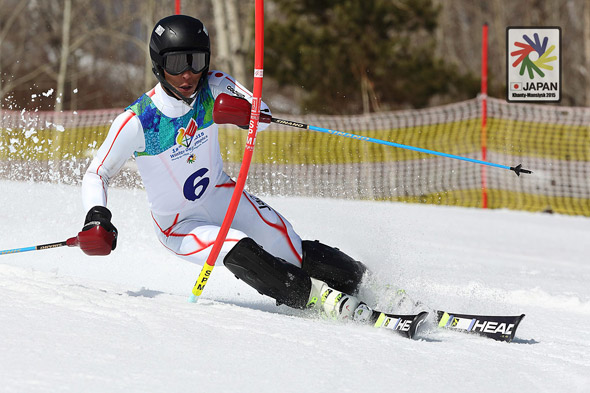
(500, 328)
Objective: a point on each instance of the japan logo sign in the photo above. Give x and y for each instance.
(533, 64)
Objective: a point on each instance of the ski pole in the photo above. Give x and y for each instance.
(518, 169)
(71, 242)
(235, 110)
(248, 151)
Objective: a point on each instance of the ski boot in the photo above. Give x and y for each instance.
(335, 304)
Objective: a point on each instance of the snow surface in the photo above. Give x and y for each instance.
(122, 323)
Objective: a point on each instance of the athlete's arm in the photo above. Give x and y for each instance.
(220, 82)
(124, 138)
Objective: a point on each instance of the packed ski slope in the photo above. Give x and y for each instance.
(122, 323)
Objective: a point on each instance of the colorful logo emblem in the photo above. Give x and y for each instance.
(533, 63)
(527, 53)
(185, 135)
(192, 158)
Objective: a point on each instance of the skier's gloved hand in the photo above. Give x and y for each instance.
(230, 109)
(99, 235)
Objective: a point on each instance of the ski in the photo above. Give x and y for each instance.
(406, 325)
(500, 328)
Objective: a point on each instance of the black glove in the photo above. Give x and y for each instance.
(99, 235)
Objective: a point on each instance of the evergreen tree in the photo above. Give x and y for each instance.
(353, 56)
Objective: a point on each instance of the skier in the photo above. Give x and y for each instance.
(171, 133)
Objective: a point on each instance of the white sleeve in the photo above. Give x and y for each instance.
(220, 82)
(124, 138)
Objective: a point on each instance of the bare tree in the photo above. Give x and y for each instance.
(585, 68)
(221, 38)
(19, 36)
(459, 38)
(101, 48)
(5, 28)
(231, 41)
(237, 53)
(64, 54)
(148, 22)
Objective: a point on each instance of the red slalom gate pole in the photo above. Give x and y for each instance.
(248, 151)
(484, 113)
(177, 7)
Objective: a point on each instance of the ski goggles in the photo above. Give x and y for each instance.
(177, 63)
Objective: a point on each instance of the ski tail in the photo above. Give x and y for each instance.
(500, 328)
(406, 325)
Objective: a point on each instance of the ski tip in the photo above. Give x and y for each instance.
(519, 319)
(405, 325)
(418, 320)
(498, 327)
(510, 337)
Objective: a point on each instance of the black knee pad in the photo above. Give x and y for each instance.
(269, 275)
(332, 266)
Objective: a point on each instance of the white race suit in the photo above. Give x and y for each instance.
(176, 148)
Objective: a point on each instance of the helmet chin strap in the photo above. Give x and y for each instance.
(178, 95)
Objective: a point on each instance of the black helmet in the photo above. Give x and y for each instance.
(178, 43)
